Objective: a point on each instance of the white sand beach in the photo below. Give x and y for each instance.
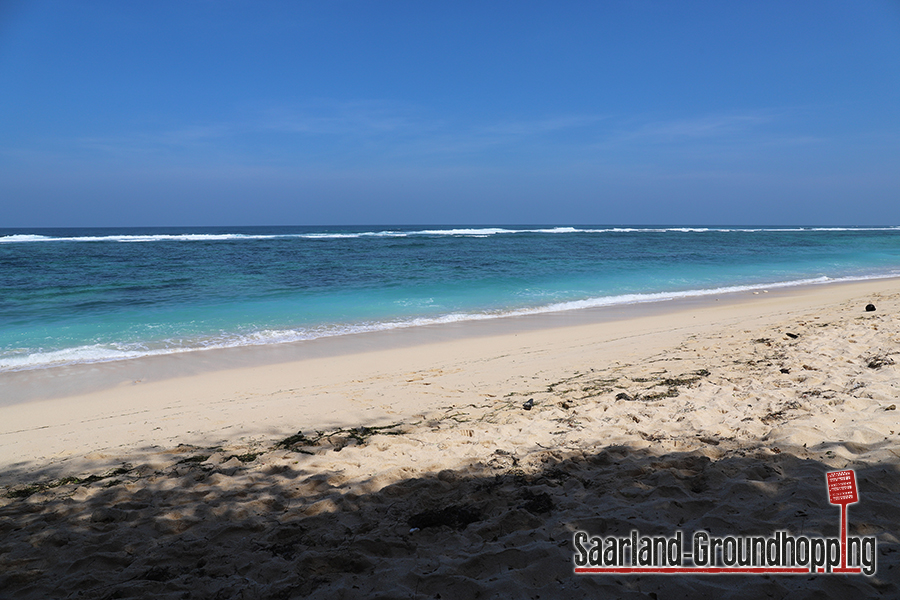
(406, 466)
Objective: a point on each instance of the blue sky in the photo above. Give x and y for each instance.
(264, 113)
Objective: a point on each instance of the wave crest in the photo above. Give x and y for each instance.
(388, 233)
(113, 352)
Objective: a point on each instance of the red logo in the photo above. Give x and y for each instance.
(781, 553)
(842, 487)
(842, 490)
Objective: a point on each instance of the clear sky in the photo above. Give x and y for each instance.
(231, 112)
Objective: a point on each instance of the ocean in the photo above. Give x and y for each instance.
(72, 296)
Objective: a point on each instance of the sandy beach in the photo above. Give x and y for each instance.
(457, 462)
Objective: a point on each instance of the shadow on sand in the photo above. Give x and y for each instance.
(266, 528)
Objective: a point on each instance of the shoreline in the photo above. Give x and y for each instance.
(52, 382)
(222, 396)
(463, 466)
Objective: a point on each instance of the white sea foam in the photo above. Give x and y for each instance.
(458, 232)
(12, 239)
(93, 353)
(113, 352)
(187, 237)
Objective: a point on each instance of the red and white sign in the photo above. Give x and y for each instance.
(842, 487)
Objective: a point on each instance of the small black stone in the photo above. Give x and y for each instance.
(870, 307)
(528, 405)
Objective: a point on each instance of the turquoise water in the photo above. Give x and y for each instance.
(87, 295)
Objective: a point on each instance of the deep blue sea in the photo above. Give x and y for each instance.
(86, 295)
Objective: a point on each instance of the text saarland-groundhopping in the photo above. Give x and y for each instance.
(780, 553)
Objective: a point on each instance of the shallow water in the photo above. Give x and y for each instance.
(85, 295)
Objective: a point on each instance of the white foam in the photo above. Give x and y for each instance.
(187, 237)
(459, 232)
(78, 355)
(11, 239)
(105, 353)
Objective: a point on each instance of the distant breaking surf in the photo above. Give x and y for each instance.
(462, 232)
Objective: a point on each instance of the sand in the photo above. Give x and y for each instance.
(407, 466)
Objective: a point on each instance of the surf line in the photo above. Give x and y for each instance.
(781, 553)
